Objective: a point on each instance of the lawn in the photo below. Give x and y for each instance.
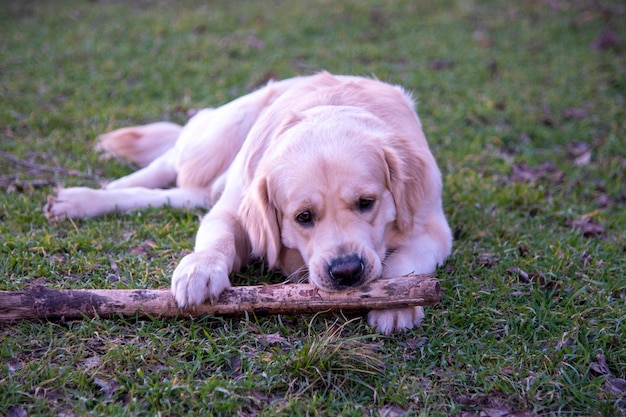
(524, 107)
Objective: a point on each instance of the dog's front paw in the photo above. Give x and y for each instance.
(69, 203)
(199, 277)
(395, 320)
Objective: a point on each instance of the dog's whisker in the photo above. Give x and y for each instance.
(299, 276)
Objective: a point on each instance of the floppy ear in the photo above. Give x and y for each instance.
(260, 219)
(258, 213)
(413, 179)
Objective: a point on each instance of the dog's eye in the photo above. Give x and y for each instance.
(305, 218)
(365, 204)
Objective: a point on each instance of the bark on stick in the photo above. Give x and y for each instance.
(40, 302)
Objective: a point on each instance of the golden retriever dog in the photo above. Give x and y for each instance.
(327, 178)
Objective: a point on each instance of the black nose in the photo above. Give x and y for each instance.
(347, 270)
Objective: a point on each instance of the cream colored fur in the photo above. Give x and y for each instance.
(328, 178)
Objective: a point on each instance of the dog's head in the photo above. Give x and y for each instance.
(341, 188)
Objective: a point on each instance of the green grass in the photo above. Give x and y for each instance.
(498, 84)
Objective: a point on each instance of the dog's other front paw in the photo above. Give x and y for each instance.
(199, 277)
(395, 320)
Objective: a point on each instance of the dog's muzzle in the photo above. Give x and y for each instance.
(346, 271)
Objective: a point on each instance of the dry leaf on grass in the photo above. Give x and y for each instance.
(606, 40)
(580, 151)
(494, 412)
(144, 248)
(391, 411)
(491, 405)
(576, 148)
(108, 385)
(271, 339)
(587, 226)
(15, 411)
(440, 64)
(615, 386)
(520, 273)
(522, 172)
(488, 259)
(572, 113)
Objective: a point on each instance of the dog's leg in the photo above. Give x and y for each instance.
(83, 202)
(401, 262)
(221, 247)
(420, 255)
(161, 173)
(131, 192)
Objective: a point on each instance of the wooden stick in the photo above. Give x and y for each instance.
(40, 302)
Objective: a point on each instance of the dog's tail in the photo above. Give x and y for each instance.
(139, 145)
